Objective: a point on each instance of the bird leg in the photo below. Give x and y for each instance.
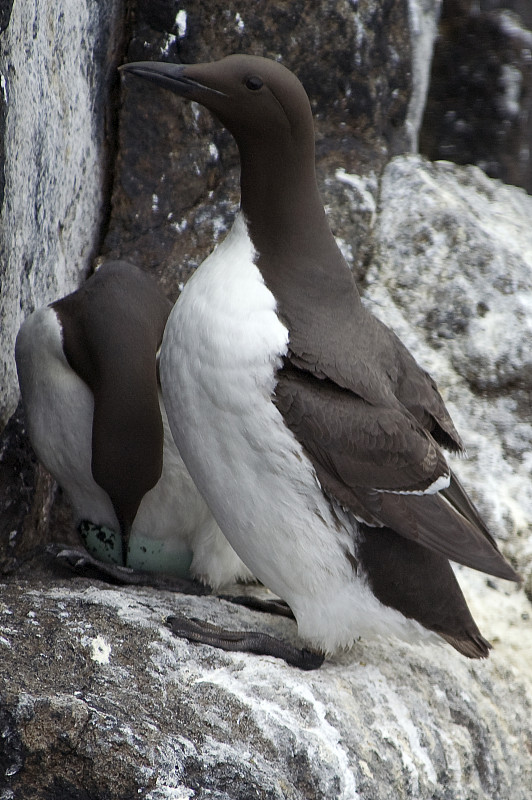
(255, 642)
(273, 606)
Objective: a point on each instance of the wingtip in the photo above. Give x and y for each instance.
(475, 646)
(504, 570)
(493, 564)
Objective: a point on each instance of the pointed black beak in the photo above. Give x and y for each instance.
(171, 76)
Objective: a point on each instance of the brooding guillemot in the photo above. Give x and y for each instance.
(309, 428)
(88, 379)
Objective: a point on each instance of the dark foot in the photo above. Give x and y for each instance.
(80, 561)
(274, 606)
(242, 641)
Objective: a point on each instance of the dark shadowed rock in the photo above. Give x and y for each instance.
(176, 184)
(5, 13)
(479, 107)
(31, 508)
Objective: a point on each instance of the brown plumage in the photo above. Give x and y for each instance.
(127, 434)
(378, 460)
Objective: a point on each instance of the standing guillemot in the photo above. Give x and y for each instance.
(88, 379)
(308, 427)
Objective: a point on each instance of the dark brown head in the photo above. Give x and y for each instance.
(267, 110)
(112, 327)
(256, 99)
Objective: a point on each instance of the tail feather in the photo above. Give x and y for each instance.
(421, 585)
(472, 647)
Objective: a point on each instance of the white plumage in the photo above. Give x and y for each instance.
(221, 347)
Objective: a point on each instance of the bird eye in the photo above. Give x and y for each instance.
(254, 83)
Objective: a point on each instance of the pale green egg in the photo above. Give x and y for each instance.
(144, 554)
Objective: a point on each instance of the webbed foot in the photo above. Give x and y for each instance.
(255, 642)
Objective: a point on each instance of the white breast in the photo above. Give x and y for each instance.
(222, 345)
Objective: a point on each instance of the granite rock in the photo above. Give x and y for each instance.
(55, 148)
(452, 275)
(85, 714)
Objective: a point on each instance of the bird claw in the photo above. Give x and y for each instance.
(82, 562)
(79, 559)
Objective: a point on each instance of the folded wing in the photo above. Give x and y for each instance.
(381, 463)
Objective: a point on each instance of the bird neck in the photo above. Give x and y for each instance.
(280, 197)
(297, 253)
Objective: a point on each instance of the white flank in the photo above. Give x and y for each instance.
(222, 345)
(59, 409)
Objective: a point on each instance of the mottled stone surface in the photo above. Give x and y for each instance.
(452, 274)
(57, 65)
(99, 700)
(479, 107)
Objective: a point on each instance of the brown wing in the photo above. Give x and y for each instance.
(367, 358)
(367, 456)
(417, 391)
(364, 445)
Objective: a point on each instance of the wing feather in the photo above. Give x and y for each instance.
(379, 462)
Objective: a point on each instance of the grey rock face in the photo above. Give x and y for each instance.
(452, 274)
(56, 67)
(83, 715)
(462, 246)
